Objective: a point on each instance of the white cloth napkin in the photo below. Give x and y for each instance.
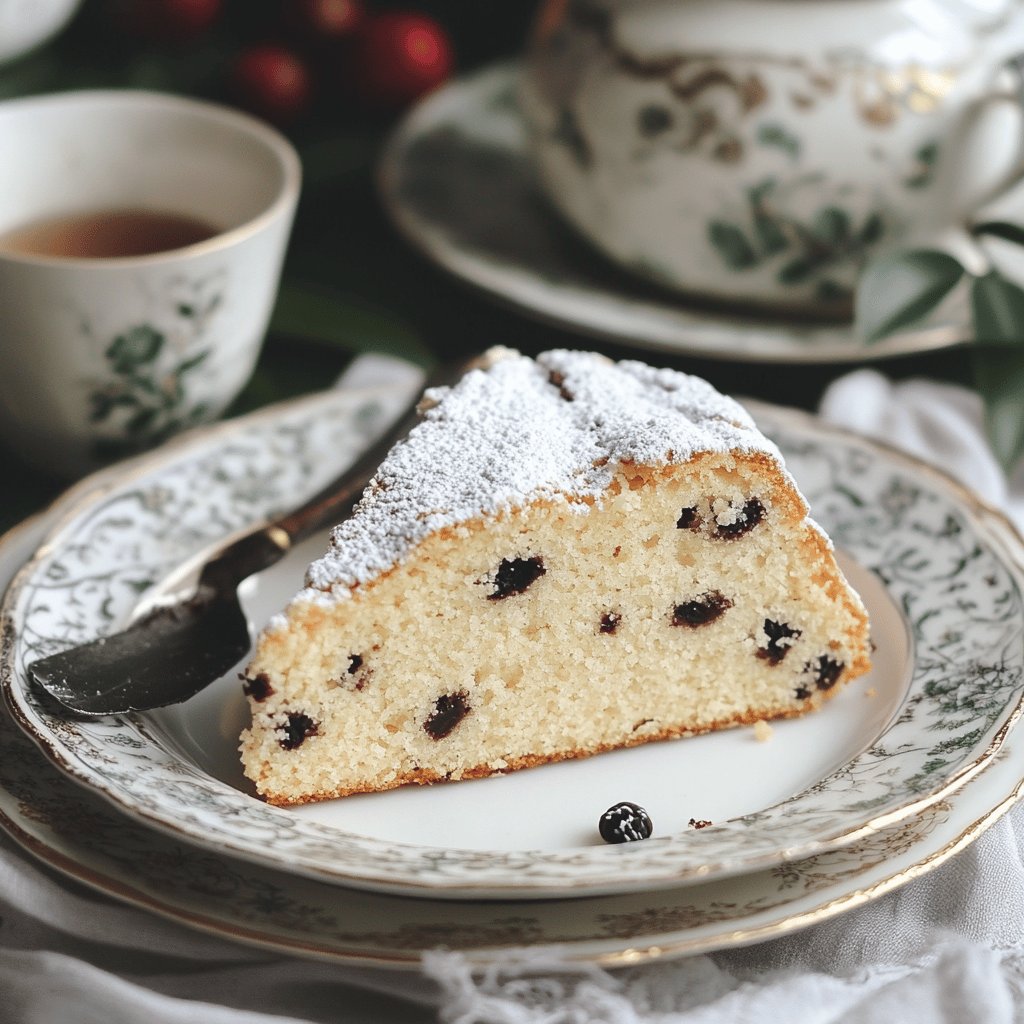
(948, 947)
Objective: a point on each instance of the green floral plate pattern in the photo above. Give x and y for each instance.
(81, 835)
(949, 572)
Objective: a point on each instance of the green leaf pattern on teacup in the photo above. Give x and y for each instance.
(778, 136)
(146, 396)
(771, 227)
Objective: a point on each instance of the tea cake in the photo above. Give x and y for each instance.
(565, 556)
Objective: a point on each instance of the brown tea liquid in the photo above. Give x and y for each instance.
(107, 233)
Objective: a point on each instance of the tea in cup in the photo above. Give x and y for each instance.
(141, 242)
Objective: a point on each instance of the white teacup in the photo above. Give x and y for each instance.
(761, 150)
(26, 24)
(105, 355)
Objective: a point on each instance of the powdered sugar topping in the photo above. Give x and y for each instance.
(521, 430)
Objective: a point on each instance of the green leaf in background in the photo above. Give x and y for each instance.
(999, 378)
(341, 320)
(1001, 229)
(997, 305)
(899, 290)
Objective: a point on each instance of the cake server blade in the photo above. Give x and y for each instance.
(177, 649)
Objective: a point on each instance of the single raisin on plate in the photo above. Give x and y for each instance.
(775, 651)
(752, 514)
(625, 823)
(296, 730)
(700, 823)
(514, 575)
(701, 610)
(449, 710)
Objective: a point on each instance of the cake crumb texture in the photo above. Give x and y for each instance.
(566, 556)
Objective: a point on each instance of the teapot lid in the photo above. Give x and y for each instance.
(890, 33)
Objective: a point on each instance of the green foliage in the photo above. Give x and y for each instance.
(902, 289)
(997, 306)
(332, 317)
(999, 378)
(1001, 229)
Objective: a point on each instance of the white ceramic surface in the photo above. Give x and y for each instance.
(457, 182)
(26, 24)
(761, 150)
(885, 749)
(103, 357)
(81, 835)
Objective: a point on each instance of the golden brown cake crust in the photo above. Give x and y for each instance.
(424, 777)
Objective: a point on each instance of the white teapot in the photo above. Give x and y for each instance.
(760, 150)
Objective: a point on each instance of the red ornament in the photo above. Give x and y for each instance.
(400, 56)
(167, 21)
(273, 82)
(325, 20)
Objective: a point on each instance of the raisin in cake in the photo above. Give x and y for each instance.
(565, 556)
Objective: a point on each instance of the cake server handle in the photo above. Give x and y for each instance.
(177, 649)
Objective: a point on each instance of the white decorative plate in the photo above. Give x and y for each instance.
(81, 835)
(940, 573)
(457, 182)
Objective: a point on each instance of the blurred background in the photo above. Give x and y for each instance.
(336, 76)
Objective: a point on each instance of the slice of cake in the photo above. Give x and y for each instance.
(565, 556)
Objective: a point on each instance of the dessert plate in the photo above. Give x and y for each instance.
(456, 180)
(941, 574)
(83, 836)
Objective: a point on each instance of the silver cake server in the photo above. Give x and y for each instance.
(177, 649)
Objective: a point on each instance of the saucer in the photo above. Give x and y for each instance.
(457, 182)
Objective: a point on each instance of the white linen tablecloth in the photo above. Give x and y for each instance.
(947, 947)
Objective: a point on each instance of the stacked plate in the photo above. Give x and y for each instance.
(895, 775)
